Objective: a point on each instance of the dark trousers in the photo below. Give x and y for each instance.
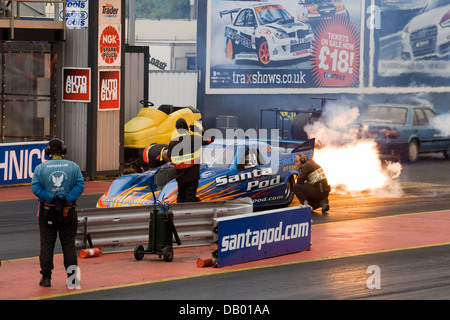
(187, 191)
(51, 223)
(311, 193)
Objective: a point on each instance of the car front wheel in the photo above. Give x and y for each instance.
(289, 192)
(230, 50)
(263, 52)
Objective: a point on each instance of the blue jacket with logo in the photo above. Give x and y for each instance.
(57, 177)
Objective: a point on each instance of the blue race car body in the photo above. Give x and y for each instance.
(229, 169)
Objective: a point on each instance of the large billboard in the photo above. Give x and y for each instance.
(412, 42)
(327, 46)
(282, 47)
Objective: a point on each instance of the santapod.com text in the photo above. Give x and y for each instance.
(258, 238)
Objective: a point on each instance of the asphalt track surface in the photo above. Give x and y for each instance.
(403, 241)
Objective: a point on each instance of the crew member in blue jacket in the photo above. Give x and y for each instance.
(57, 183)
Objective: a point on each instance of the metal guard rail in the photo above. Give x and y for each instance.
(121, 229)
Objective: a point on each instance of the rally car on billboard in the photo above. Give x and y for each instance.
(428, 34)
(229, 170)
(265, 33)
(316, 11)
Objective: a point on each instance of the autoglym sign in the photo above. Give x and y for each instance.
(77, 84)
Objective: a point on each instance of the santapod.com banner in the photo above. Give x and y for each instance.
(262, 235)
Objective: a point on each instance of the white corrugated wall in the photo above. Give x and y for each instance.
(178, 88)
(108, 141)
(134, 83)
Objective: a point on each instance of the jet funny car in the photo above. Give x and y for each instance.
(230, 169)
(265, 33)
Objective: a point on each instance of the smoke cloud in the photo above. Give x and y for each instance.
(442, 124)
(352, 165)
(335, 126)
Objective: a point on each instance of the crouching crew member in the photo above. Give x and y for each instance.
(312, 186)
(154, 156)
(57, 184)
(184, 152)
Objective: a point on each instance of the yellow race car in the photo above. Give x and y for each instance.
(152, 126)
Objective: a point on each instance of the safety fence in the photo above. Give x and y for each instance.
(121, 229)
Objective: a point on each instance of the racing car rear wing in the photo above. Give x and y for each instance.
(230, 12)
(305, 146)
(293, 146)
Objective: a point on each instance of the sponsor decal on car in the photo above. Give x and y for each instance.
(244, 176)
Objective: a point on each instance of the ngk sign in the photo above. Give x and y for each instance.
(77, 84)
(109, 45)
(109, 90)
